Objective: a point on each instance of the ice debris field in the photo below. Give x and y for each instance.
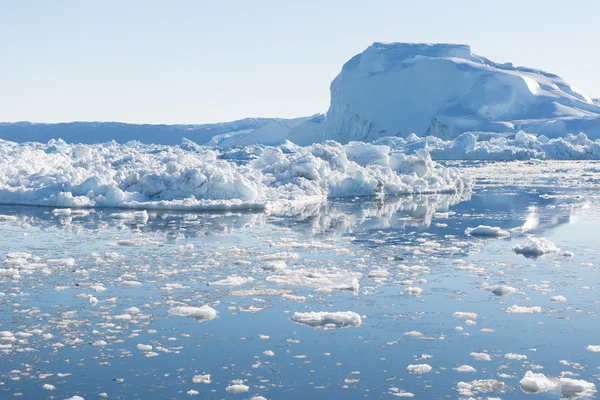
(474, 294)
(434, 235)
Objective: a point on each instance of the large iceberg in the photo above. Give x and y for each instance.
(189, 176)
(444, 90)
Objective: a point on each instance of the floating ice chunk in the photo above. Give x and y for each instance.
(502, 290)
(460, 314)
(192, 392)
(593, 348)
(201, 379)
(536, 247)
(132, 283)
(144, 347)
(413, 290)
(413, 334)
(340, 319)
(292, 297)
(567, 254)
(237, 388)
(418, 368)
(75, 398)
(558, 299)
(536, 383)
(379, 273)
(268, 353)
(203, 313)
(512, 356)
(465, 368)
(576, 387)
(487, 231)
(515, 309)
(48, 387)
(481, 356)
(274, 265)
(232, 281)
(479, 386)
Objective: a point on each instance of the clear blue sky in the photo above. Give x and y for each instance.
(207, 61)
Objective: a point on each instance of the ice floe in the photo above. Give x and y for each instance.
(536, 247)
(200, 313)
(340, 319)
(487, 231)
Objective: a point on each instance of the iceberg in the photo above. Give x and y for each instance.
(444, 90)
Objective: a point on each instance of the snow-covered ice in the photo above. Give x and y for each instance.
(172, 177)
(536, 247)
(444, 90)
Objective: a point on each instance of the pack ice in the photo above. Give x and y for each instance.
(444, 90)
(135, 175)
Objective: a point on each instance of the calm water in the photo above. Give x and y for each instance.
(52, 328)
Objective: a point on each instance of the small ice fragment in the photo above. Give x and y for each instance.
(481, 356)
(201, 379)
(237, 388)
(487, 231)
(418, 368)
(536, 247)
(340, 319)
(465, 368)
(515, 309)
(460, 314)
(203, 313)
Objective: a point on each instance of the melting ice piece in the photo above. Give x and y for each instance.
(418, 368)
(340, 319)
(502, 290)
(203, 313)
(536, 247)
(487, 231)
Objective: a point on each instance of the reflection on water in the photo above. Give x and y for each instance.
(537, 210)
(88, 299)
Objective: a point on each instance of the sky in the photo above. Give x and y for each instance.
(202, 61)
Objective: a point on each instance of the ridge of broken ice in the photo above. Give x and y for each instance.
(175, 177)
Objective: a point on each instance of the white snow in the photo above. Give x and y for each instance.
(487, 231)
(173, 177)
(340, 319)
(443, 90)
(593, 348)
(536, 247)
(200, 313)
